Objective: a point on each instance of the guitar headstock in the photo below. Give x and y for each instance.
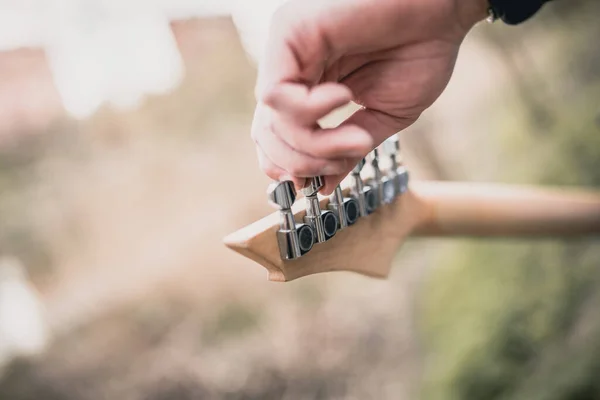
(372, 216)
(367, 247)
(375, 213)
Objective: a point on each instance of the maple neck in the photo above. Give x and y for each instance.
(475, 209)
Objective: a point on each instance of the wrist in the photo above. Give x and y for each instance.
(514, 13)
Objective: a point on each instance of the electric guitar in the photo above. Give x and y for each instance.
(361, 226)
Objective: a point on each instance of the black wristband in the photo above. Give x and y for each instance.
(514, 12)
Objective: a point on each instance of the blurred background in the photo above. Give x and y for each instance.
(125, 157)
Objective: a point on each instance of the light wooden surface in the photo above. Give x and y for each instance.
(476, 209)
(427, 209)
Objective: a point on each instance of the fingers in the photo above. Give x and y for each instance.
(290, 160)
(275, 172)
(341, 142)
(294, 162)
(379, 125)
(306, 105)
(332, 181)
(293, 146)
(295, 112)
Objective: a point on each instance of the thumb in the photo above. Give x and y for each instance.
(378, 124)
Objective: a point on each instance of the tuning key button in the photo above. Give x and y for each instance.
(294, 239)
(281, 194)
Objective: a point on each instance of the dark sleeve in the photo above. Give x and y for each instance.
(514, 12)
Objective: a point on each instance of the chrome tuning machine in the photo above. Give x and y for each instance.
(375, 182)
(295, 239)
(345, 208)
(323, 222)
(365, 195)
(395, 182)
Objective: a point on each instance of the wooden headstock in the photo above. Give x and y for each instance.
(426, 209)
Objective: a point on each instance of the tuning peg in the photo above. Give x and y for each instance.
(375, 182)
(324, 222)
(395, 182)
(345, 208)
(391, 147)
(402, 176)
(295, 239)
(358, 188)
(364, 194)
(281, 195)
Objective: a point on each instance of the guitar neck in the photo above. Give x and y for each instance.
(474, 209)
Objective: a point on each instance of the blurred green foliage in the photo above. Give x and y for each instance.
(519, 320)
(232, 319)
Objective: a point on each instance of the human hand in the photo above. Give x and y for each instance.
(392, 57)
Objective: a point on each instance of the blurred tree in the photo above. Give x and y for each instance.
(518, 320)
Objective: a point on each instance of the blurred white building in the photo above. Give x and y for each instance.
(118, 51)
(101, 52)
